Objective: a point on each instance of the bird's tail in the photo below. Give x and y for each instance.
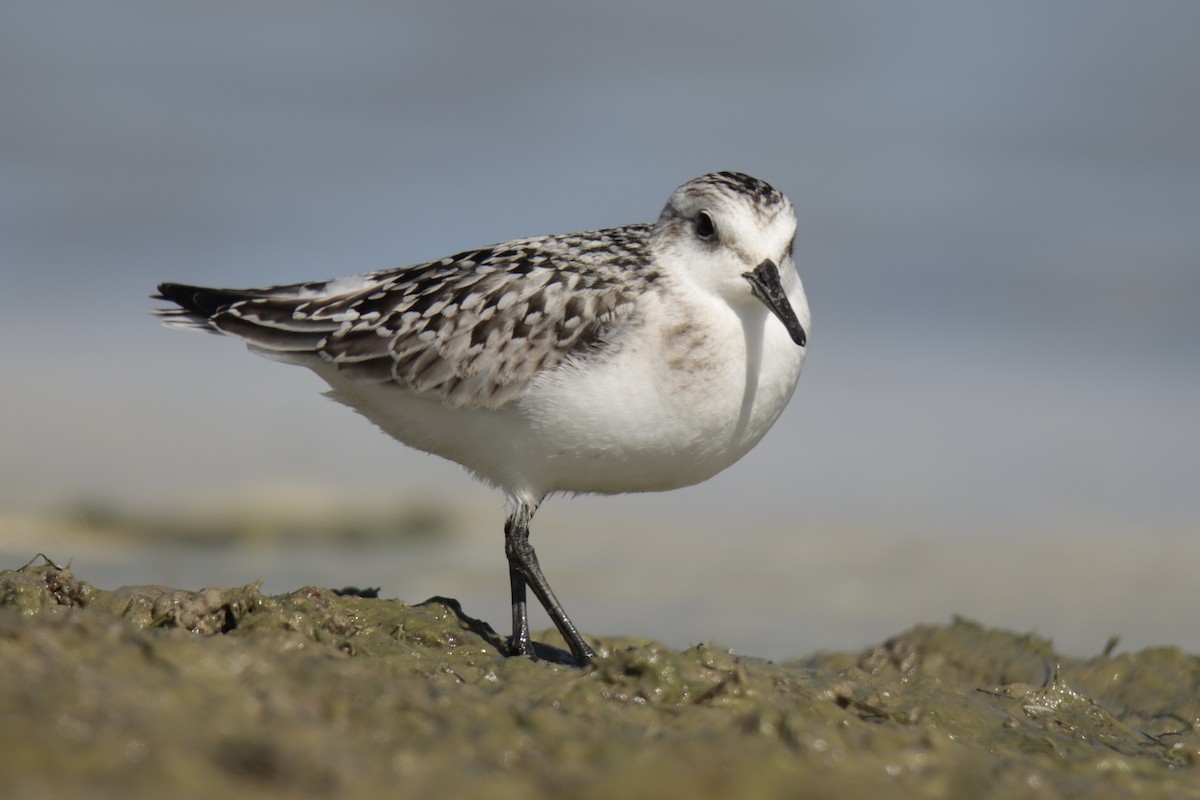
(274, 321)
(197, 305)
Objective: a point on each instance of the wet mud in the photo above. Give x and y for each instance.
(155, 692)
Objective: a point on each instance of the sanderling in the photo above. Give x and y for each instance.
(633, 359)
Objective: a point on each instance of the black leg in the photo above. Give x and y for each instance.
(516, 527)
(519, 644)
(523, 570)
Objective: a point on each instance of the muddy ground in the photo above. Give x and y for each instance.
(155, 692)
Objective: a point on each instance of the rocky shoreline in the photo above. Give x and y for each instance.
(149, 691)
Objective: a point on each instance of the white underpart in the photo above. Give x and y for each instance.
(625, 424)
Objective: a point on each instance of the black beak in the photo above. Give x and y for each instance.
(764, 282)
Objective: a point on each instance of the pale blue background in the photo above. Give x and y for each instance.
(1000, 236)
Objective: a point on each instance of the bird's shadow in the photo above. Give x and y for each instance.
(541, 652)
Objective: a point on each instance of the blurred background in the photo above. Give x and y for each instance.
(999, 233)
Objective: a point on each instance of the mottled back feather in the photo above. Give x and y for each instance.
(471, 329)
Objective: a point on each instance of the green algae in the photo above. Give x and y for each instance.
(148, 691)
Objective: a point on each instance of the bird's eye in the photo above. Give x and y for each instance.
(705, 227)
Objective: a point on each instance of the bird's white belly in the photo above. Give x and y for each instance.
(670, 412)
(663, 411)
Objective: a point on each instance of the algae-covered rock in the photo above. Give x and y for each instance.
(153, 692)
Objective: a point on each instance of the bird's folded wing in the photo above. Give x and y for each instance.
(472, 330)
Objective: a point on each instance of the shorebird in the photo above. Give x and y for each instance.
(640, 358)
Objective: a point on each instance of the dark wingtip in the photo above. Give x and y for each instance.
(199, 299)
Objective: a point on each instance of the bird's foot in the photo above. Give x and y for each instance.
(520, 646)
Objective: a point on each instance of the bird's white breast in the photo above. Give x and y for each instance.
(686, 391)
